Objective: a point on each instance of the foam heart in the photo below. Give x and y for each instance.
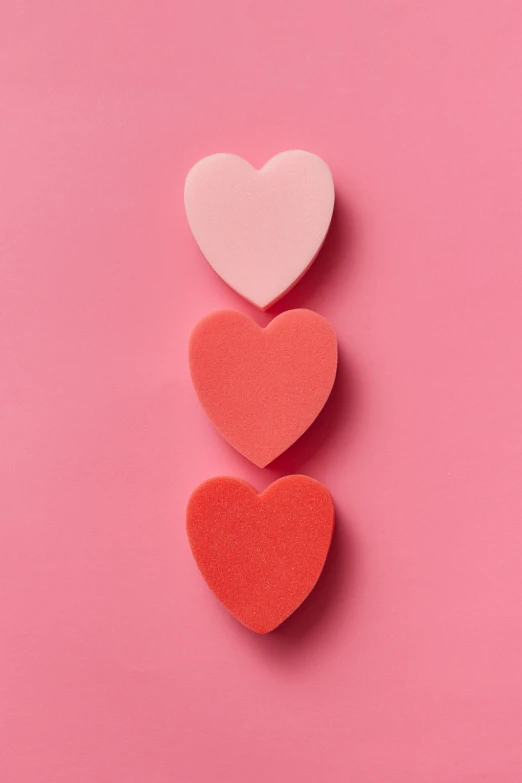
(260, 230)
(262, 388)
(261, 554)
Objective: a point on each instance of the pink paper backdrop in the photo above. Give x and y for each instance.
(118, 665)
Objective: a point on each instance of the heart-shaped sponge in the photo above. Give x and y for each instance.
(261, 554)
(262, 388)
(260, 230)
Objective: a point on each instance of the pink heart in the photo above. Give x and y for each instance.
(260, 230)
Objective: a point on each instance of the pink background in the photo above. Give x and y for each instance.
(118, 664)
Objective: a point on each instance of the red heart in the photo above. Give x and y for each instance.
(261, 554)
(262, 388)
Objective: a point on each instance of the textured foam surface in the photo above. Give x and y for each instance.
(260, 230)
(261, 554)
(262, 388)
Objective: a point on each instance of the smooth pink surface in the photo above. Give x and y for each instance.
(260, 229)
(117, 663)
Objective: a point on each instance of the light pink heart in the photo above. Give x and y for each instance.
(260, 230)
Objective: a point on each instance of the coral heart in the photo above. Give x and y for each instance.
(261, 554)
(262, 388)
(260, 230)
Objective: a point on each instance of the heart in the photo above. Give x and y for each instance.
(263, 388)
(260, 554)
(260, 230)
